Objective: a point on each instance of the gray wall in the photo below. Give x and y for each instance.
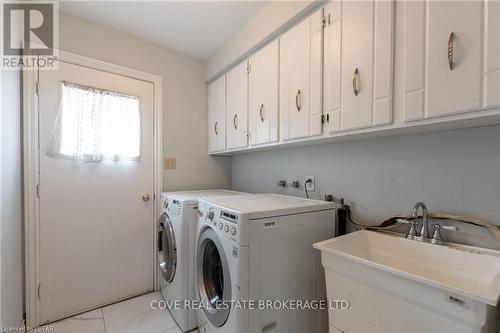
(11, 245)
(451, 171)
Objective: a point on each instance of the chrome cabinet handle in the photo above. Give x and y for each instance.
(261, 110)
(451, 42)
(355, 82)
(235, 121)
(298, 100)
(216, 128)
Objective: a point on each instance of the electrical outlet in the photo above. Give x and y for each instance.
(311, 186)
(170, 163)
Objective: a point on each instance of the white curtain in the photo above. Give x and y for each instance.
(94, 125)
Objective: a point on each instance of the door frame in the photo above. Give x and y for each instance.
(31, 152)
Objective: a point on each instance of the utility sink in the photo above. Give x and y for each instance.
(456, 287)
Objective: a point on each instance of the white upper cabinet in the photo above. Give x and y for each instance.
(263, 95)
(358, 64)
(217, 115)
(492, 57)
(237, 107)
(331, 74)
(301, 51)
(443, 52)
(332, 66)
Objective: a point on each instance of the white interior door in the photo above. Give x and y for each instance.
(96, 217)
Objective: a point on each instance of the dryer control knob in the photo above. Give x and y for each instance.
(226, 229)
(210, 215)
(221, 226)
(233, 231)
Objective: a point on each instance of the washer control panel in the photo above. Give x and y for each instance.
(225, 222)
(173, 207)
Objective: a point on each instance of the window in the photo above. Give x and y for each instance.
(95, 125)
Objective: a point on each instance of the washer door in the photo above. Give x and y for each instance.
(167, 248)
(213, 277)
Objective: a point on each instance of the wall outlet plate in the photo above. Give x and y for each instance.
(310, 186)
(170, 163)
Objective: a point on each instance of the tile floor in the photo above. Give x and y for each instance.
(134, 315)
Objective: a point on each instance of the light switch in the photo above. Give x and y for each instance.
(170, 163)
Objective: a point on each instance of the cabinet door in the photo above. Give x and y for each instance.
(237, 107)
(217, 115)
(301, 79)
(263, 95)
(332, 67)
(492, 58)
(443, 51)
(367, 34)
(456, 87)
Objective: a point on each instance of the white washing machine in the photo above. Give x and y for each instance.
(176, 237)
(258, 248)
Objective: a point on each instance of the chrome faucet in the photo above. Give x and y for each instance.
(424, 233)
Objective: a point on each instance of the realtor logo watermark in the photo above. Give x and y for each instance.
(29, 34)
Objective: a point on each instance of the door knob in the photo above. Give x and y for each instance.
(146, 197)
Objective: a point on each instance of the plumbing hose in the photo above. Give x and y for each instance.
(391, 223)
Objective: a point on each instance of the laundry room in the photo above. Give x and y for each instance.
(250, 166)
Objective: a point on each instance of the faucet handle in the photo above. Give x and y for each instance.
(449, 227)
(412, 232)
(436, 237)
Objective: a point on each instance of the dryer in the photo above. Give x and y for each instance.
(258, 248)
(176, 243)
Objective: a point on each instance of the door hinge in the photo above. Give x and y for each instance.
(325, 20)
(38, 293)
(325, 118)
(37, 88)
(38, 190)
(248, 68)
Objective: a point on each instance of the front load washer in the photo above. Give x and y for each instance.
(176, 242)
(254, 255)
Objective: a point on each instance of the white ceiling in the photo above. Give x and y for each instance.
(196, 28)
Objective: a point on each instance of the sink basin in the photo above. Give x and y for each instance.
(443, 281)
(469, 272)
